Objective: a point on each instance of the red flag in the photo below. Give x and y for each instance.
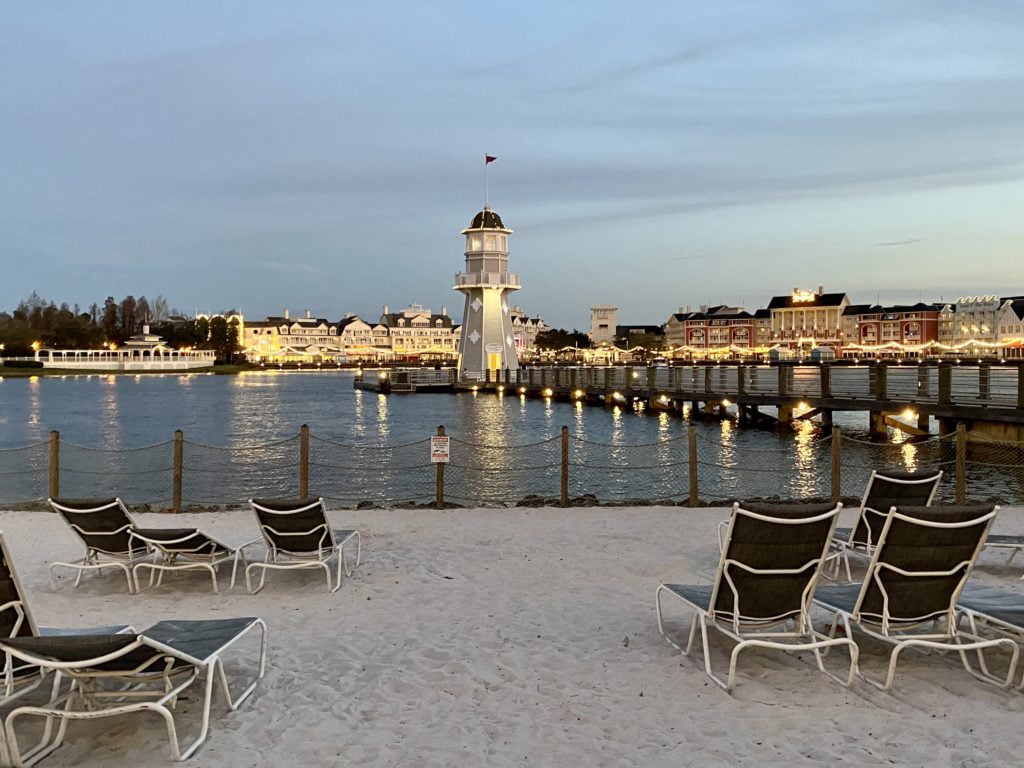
(489, 159)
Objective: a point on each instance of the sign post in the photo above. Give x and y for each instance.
(440, 453)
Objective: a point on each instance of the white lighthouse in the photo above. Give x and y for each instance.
(487, 342)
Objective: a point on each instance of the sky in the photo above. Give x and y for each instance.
(325, 156)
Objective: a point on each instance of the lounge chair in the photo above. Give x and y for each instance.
(112, 540)
(995, 609)
(299, 535)
(16, 620)
(884, 490)
(1006, 541)
(116, 674)
(769, 565)
(919, 565)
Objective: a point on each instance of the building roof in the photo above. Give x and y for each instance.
(818, 300)
(391, 320)
(487, 219)
(1017, 305)
(762, 314)
(345, 322)
(877, 309)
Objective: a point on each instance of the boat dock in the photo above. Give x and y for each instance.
(405, 381)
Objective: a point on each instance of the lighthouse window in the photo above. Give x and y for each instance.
(490, 243)
(504, 243)
(474, 243)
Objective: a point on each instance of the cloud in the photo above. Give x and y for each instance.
(896, 243)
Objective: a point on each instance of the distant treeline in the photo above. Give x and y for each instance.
(62, 327)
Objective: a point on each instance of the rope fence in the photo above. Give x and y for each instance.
(445, 471)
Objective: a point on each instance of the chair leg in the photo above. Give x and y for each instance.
(234, 568)
(248, 581)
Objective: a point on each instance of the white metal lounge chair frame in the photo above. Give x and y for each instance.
(15, 686)
(92, 699)
(880, 627)
(864, 549)
(1015, 547)
(750, 632)
(1009, 630)
(285, 560)
(170, 558)
(93, 560)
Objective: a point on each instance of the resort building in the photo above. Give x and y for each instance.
(603, 324)
(356, 339)
(807, 319)
(762, 328)
(285, 339)
(525, 329)
(1010, 327)
(895, 331)
(416, 333)
(713, 331)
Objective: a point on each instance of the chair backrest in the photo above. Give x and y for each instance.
(16, 620)
(891, 489)
(103, 524)
(771, 558)
(294, 525)
(921, 563)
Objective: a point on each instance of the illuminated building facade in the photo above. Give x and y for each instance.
(603, 319)
(807, 319)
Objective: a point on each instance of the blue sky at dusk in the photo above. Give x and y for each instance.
(651, 155)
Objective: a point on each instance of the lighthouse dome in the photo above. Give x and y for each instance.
(487, 219)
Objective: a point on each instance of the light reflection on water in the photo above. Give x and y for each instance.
(251, 410)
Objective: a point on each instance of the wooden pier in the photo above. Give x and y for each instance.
(988, 397)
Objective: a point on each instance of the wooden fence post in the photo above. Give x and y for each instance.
(837, 463)
(176, 472)
(692, 463)
(304, 461)
(54, 464)
(564, 487)
(961, 463)
(439, 490)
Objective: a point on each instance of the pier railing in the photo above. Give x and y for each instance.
(994, 386)
(561, 470)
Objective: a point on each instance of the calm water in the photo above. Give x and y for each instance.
(618, 453)
(115, 412)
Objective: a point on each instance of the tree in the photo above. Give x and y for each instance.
(110, 320)
(128, 312)
(223, 339)
(557, 338)
(160, 310)
(143, 311)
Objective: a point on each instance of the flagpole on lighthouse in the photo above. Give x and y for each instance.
(488, 159)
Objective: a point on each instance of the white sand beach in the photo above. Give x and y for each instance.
(514, 637)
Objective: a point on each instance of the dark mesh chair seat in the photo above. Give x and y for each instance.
(298, 534)
(770, 560)
(909, 594)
